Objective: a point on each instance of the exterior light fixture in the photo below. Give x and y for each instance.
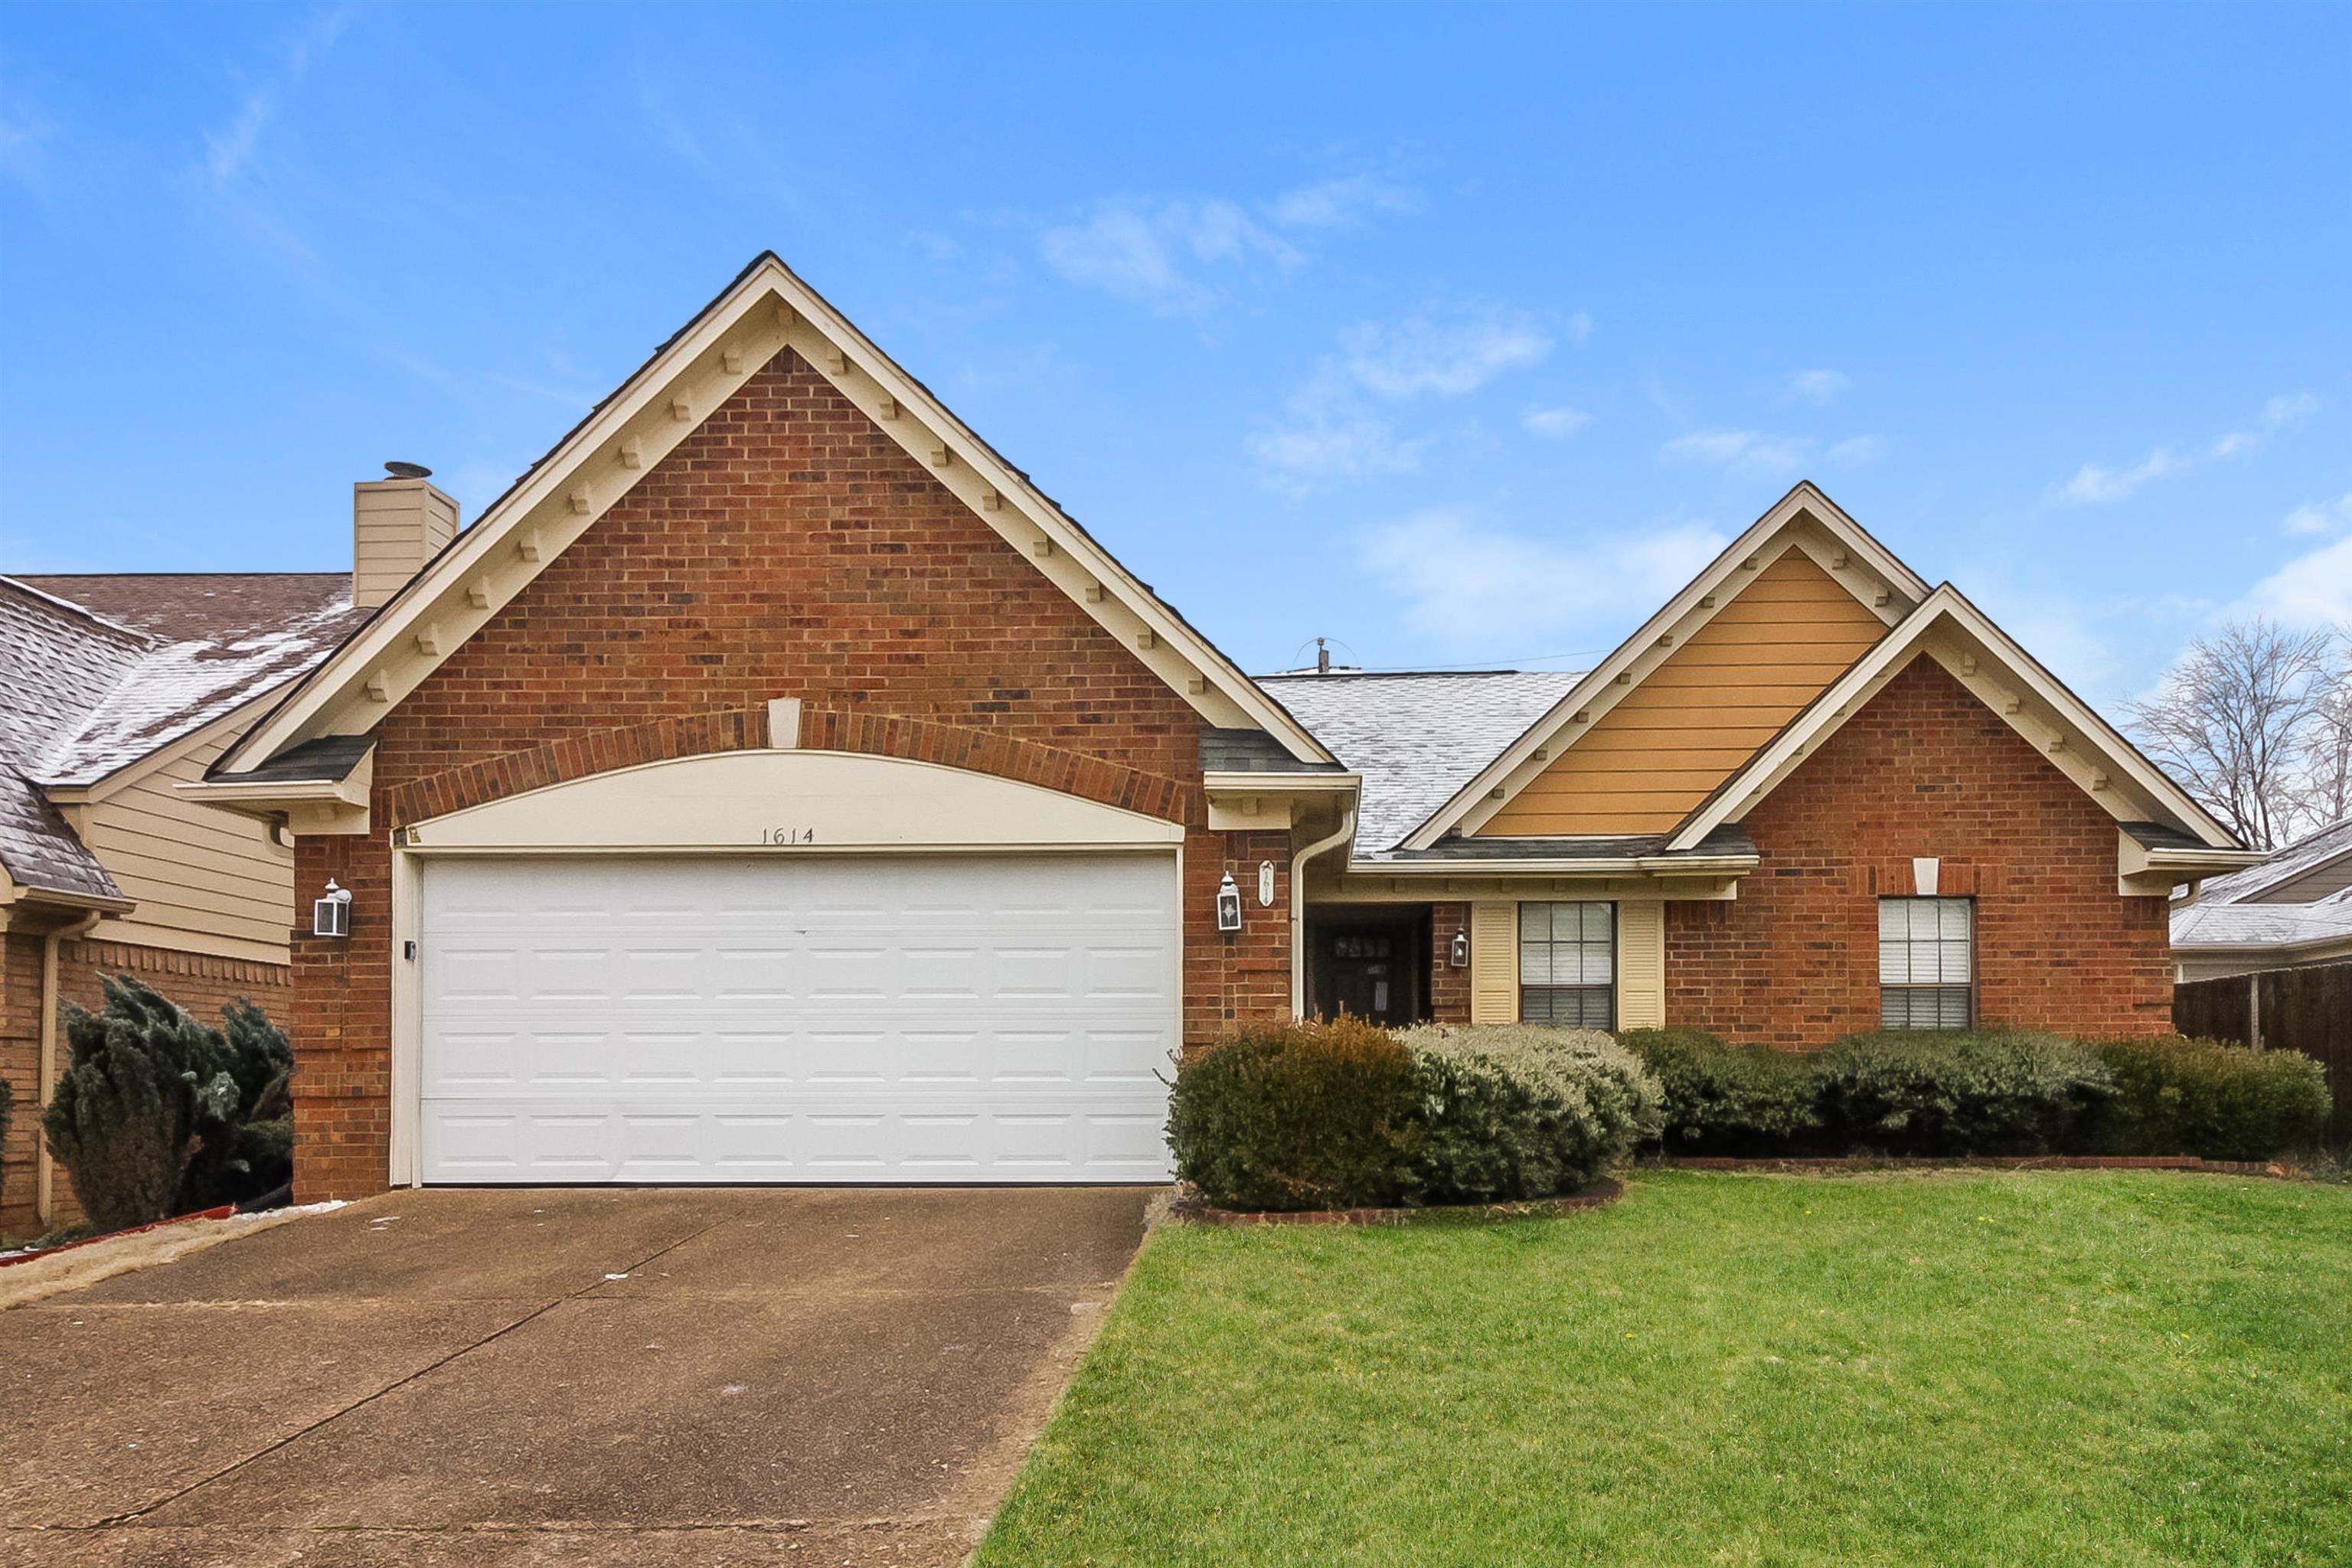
(1458, 955)
(1229, 905)
(330, 912)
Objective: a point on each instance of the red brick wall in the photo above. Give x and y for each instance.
(1449, 988)
(787, 548)
(1925, 769)
(201, 984)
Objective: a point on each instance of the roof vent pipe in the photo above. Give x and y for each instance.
(397, 525)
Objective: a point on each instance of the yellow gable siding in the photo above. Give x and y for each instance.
(1699, 715)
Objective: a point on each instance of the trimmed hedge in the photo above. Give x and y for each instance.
(1515, 1111)
(1728, 1100)
(1963, 1093)
(1348, 1115)
(1296, 1116)
(1986, 1091)
(2179, 1095)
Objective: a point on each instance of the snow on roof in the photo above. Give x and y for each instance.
(103, 670)
(2306, 854)
(2263, 925)
(1416, 737)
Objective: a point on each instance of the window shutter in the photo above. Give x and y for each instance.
(1495, 963)
(1640, 964)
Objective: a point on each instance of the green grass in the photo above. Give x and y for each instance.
(1952, 1368)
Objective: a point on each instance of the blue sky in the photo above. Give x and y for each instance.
(1458, 335)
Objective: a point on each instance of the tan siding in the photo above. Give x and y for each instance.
(205, 880)
(1495, 963)
(1680, 732)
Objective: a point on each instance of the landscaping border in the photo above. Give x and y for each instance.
(1190, 1209)
(1818, 1165)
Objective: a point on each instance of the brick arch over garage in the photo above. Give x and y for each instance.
(742, 728)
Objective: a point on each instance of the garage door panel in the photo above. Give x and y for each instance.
(804, 1020)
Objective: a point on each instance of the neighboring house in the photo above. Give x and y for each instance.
(123, 687)
(2292, 912)
(775, 785)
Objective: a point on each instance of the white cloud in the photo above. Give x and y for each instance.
(1322, 448)
(1747, 450)
(1465, 586)
(230, 149)
(1819, 387)
(1855, 450)
(2323, 518)
(1580, 327)
(1556, 424)
(1406, 358)
(1343, 203)
(1154, 253)
(2312, 590)
(2097, 483)
(1336, 427)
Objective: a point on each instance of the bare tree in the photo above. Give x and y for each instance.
(2325, 795)
(2232, 722)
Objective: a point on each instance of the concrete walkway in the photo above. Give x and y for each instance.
(560, 1376)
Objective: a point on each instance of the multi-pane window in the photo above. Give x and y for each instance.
(1927, 962)
(1567, 964)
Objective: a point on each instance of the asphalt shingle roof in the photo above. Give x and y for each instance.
(102, 670)
(2312, 851)
(1415, 737)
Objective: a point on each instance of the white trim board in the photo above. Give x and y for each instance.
(767, 310)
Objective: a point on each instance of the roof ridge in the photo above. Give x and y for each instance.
(84, 611)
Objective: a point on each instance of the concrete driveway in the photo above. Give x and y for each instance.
(560, 1376)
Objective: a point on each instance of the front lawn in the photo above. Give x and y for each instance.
(1953, 1368)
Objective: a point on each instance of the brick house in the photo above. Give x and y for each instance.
(775, 785)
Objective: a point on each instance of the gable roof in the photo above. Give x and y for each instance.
(2008, 681)
(104, 673)
(764, 311)
(2314, 851)
(1805, 517)
(2224, 927)
(1413, 737)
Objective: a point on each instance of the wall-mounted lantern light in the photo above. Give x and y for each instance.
(330, 912)
(1459, 954)
(1229, 905)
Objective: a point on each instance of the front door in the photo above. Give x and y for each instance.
(1370, 971)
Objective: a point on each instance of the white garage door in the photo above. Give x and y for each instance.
(861, 1019)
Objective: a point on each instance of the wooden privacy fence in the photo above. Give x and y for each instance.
(2306, 1010)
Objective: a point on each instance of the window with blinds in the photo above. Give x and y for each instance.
(1927, 962)
(1567, 964)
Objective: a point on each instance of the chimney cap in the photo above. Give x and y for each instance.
(408, 470)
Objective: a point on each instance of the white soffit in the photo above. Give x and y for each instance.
(2066, 731)
(791, 801)
(1805, 520)
(764, 312)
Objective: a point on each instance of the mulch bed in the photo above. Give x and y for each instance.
(1987, 1163)
(1189, 1208)
(28, 1254)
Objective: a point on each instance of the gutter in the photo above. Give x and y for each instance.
(1343, 834)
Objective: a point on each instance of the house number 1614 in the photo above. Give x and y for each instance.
(788, 835)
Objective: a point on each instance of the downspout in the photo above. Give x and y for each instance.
(45, 1175)
(1343, 834)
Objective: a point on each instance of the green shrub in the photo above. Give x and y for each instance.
(2177, 1096)
(1965, 1092)
(158, 1114)
(1519, 1112)
(1730, 1100)
(1298, 1116)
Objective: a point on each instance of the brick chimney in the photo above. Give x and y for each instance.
(397, 525)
